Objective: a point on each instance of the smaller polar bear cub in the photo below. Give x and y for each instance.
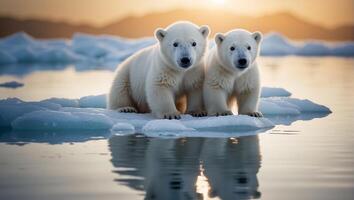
(232, 73)
(156, 78)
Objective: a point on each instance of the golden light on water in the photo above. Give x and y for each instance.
(202, 184)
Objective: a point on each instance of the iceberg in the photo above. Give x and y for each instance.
(313, 49)
(275, 44)
(22, 48)
(6, 58)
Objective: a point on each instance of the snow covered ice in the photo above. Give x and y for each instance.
(22, 48)
(89, 113)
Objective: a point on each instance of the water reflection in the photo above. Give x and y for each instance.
(13, 137)
(188, 168)
(289, 119)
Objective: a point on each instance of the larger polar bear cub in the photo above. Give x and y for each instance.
(232, 73)
(156, 78)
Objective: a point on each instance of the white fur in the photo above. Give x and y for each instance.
(225, 82)
(154, 80)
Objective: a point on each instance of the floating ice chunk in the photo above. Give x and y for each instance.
(229, 123)
(289, 106)
(66, 114)
(274, 92)
(57, 120)
(269, 107)
(11, 84)
(305, 105)
(93, 101)
(12, 108)
(63, 102)
(122, 128)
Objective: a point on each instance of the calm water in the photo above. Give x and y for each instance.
(312, 159)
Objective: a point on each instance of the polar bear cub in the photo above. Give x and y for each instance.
(232, 72)
(156, 78)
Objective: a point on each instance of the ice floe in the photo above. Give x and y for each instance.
(11, 84)
(88, 114)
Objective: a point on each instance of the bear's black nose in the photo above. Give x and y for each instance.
(242, 62)
(185, 60)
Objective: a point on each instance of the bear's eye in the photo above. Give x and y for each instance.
(249, 47)
(175, 44)
(232, 48)
(194, 44)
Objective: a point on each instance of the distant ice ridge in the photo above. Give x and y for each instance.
(274, 44)
(88, 113)
(22, 48)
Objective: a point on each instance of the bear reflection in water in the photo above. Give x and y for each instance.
(188, 168)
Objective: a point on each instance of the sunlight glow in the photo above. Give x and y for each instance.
(218, 2)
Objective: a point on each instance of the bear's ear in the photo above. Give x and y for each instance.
(257, 36)
(219, 38)
(204, 30)
(160, 34)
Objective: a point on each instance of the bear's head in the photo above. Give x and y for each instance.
(182, 44)
(238, 49)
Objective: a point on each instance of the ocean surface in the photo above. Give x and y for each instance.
(303, 159)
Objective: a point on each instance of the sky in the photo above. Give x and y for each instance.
(330, 13)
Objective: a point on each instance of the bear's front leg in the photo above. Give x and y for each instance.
(248, 103)
(215, 100)
(161, 101)
(195, 103)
